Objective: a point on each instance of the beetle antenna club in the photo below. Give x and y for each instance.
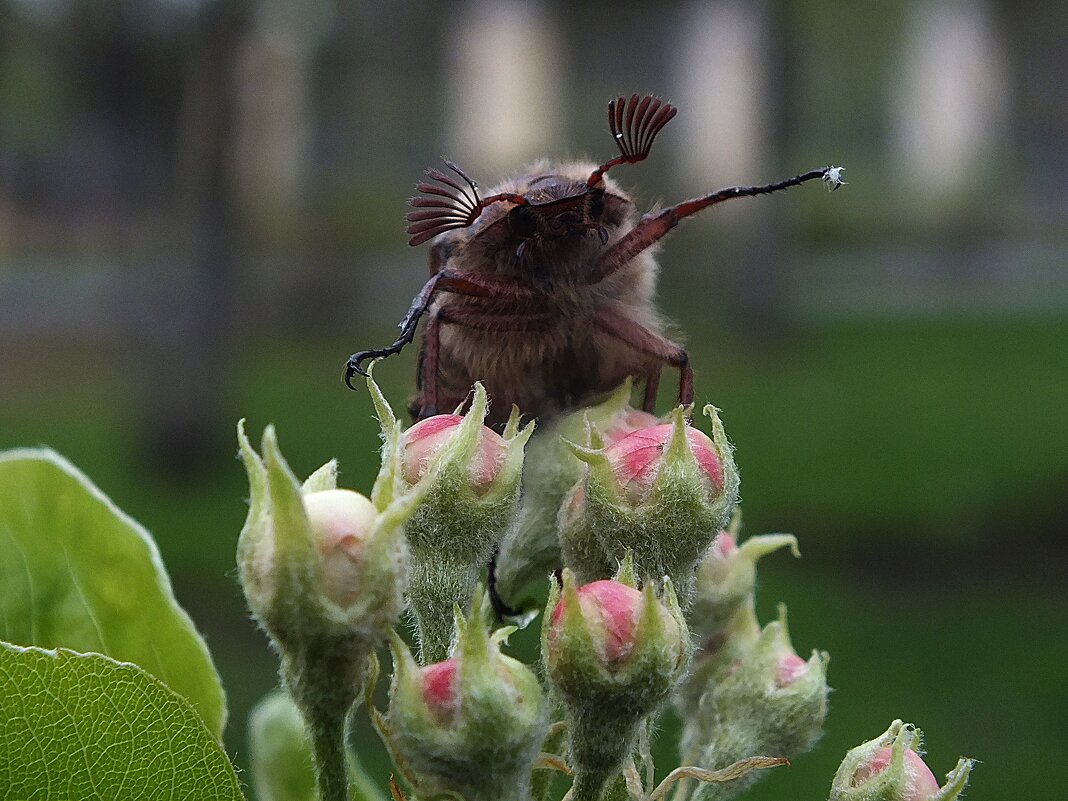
(634, 126)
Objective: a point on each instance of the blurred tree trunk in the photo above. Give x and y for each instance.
(191, 373)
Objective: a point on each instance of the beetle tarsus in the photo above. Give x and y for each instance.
(353, 367)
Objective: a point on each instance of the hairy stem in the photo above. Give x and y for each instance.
(328, 754)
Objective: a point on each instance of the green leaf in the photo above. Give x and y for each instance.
(85, 726)
(76, 572)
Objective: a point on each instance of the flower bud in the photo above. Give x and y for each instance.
(725, 580)
(439, 690)
(341, 521)
(625, 422)
(470, 479)
(314, 558)
(917, 783)
(889, 768)
(531, 547)
(768, 701)
(423, 441)
(637, 459)
(470, 725)
(613, 654)
(324, 578)
(662, 492)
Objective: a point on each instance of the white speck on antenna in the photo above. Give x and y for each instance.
(833, 178)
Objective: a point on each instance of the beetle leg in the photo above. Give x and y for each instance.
(651, 227)
(431, 340)
(645, 341)
(652, 383)
(467, 284)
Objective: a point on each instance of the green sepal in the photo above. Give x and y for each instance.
(625, 573)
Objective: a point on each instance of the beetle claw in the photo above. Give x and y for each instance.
(353, 367)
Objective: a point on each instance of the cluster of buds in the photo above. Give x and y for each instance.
(653, 602)
(890, 768)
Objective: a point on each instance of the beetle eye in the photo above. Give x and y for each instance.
(596, 204)
(521, 221)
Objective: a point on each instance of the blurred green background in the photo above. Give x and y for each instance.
(201, 216)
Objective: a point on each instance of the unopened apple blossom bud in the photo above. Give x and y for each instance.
(426, 438)
(531, 547)
(626, 422)
(726, 578)
(637, 459)
(341, 521)
(890, 768)
(323, 573)
(470, 477)
(471, 725)
(660, 492)
(613, 653)
(770, 701)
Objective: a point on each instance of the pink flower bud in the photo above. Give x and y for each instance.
(789, 668)
(627, 422)
(341, 521)
(439, 690)
(724, 546)
(919, 783)
(426, 437)
(611, 611)
(636, 458)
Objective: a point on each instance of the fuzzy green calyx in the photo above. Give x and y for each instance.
(613, 654)
(661, 492)
(469, 477)
(471, 725)
(889, 768)
(770, 702)
(284, 560)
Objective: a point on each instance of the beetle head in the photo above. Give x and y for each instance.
(554, 206)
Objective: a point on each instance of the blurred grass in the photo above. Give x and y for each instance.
(921, 463)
